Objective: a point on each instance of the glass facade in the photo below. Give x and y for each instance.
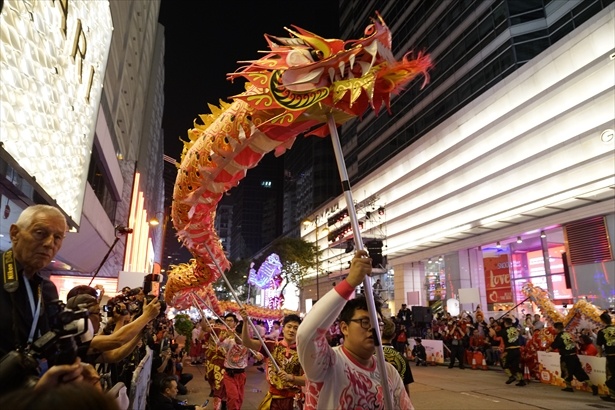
(539, 258)
(99, 181)
(473, 47)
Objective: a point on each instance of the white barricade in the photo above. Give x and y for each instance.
(139, 386)
(433, 348)
(550, 372)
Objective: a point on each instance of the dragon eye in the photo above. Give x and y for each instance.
(369, 30)
(316, 55)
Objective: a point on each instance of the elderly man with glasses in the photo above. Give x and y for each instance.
(26, 295)
(346, 376)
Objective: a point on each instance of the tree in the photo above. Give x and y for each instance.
(237, 275)
(183, 326)
(297, 256)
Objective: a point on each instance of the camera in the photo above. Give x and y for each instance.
(132, 292)
(129, 302)
(115, 306)
(163, 305)
(123, 230)
(20, 367)
(151, 284)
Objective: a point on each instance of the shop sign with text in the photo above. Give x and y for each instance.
(497, 279)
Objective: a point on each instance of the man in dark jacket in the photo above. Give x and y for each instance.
(568, 359)
(404, 316)
(26, 295)
(606, 347)
(165, 397)
(28, 298)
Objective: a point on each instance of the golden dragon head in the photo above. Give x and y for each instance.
(309, 76)
(292, 90)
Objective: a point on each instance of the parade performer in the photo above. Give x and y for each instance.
(512, 354)
(606, 347)
(397, 359)
(569, 361)
(284, 386)
(214, 362)
(235, 363)
(346, 376)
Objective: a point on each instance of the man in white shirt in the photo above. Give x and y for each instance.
(346, 376)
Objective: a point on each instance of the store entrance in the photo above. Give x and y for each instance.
(535, 258)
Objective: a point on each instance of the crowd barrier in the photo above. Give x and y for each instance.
(550, 372)
(548, 362)
(140, 382)
(433, 348)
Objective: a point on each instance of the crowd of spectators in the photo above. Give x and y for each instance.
(468, 333)
(47, 344)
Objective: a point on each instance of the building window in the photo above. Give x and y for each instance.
(99, 181)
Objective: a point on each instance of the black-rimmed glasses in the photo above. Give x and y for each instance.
(366, 323)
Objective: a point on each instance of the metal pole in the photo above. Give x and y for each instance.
(512, 308)
(117, 238)
(317, 262)
(241, 306)
(196, 303)
(358, 243)
(235, 334)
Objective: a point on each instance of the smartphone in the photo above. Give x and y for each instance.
(107, 308)
(205, 403)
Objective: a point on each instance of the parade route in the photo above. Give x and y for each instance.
(437, 387)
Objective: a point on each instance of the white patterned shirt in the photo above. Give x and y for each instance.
(335, 380)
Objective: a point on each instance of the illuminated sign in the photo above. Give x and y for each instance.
(497, 279)
(53, 56)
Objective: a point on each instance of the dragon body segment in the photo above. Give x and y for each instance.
(290, 91)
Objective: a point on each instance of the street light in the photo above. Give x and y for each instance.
(155, 221)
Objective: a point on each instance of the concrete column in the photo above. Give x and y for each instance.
(464, 270)
(408, 277)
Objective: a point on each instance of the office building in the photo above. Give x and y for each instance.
(90, 150)
(496, 164)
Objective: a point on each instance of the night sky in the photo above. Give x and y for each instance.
(205, 39)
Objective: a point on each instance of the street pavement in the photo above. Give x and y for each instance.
(437, 387)
(198, 388)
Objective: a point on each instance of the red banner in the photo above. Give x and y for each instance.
(497, 279)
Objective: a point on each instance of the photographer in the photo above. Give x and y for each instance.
(166, 396)
(28, 300)
(113, 347)
(169, 363)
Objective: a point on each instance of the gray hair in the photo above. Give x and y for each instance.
(27, 216)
